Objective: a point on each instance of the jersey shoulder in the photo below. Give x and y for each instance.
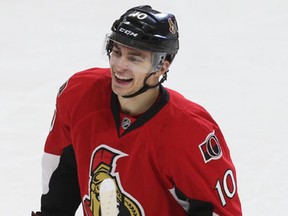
(85, 84)
(84, 93)
(85, 79)
(191, 112)
(190, 124)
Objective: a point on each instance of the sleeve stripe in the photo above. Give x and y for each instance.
(183, 203)
(50, 163)
(187, 203)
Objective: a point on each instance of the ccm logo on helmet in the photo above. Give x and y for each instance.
(128, 32)
(210, 148)
(138, 14)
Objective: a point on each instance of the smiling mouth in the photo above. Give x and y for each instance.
(123, 80)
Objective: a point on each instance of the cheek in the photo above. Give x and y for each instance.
(139, 77)
(112, 63)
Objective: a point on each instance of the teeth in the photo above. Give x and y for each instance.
(121, 78)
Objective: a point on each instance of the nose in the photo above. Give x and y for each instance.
(121, 64)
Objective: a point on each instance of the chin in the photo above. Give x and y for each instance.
(118, 91)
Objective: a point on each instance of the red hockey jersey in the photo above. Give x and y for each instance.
(171, 160)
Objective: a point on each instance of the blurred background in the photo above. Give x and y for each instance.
(233, 60)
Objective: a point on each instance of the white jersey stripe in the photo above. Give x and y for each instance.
(50, 163)
(184, 204)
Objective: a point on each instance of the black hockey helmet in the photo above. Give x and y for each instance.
(146, 29)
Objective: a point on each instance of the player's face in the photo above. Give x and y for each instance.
(129, 68)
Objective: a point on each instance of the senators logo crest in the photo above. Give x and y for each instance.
(102, 166)
(210, 148)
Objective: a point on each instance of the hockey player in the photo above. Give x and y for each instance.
(165, 154)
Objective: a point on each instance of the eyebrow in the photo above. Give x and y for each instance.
(132, 51)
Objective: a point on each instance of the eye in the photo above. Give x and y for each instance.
(135, 59)
(116, 52)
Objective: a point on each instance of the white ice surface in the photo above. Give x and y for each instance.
(233, 60)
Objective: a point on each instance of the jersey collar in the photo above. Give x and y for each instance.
(143, 118)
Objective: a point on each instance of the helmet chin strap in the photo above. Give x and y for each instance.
(146, 86)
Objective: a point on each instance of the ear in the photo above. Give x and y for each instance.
(164, 69)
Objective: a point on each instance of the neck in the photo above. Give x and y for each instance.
(140, 103)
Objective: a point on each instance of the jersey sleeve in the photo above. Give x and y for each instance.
(61, 194)
(203, 175)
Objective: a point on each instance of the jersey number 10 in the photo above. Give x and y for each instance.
(224, 191)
